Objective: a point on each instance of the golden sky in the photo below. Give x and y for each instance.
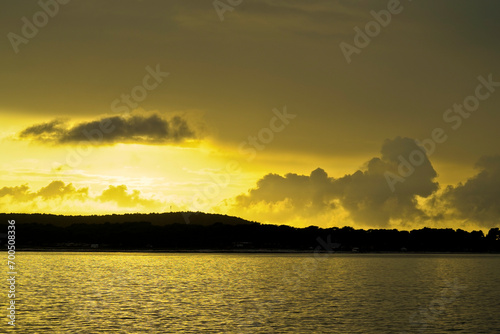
(286, 112)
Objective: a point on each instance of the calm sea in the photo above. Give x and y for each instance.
(256, 293)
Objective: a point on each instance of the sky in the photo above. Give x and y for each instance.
(372, 114)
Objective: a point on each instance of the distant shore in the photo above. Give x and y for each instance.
(232, 251)
(212, 233)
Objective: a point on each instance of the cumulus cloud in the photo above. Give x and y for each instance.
(306, 194)
(140, 129)
(58, 192)
(21, 193)
(123, 198)
(478, 199)
(56, 189)
(366, 195)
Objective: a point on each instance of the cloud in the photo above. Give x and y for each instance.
(20, 193)
(120, 195)
(138, 129)
(365, 195)
(368, 196)
(57, 189)
(44, 131)
(478, 199)
(67, 197)
(306, 194)
(54, 190)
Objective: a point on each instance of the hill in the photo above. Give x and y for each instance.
(160, 219)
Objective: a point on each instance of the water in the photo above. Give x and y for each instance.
(256, 293)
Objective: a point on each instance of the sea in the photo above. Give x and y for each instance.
(92, 292)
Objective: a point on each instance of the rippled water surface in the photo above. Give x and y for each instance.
(256, 293)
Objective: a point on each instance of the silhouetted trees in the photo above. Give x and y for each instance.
(169, 231)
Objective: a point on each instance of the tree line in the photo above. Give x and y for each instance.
(225, 233)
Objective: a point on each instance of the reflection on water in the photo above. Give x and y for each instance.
(248, 293)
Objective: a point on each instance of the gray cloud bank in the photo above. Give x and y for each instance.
(478, 199)
(368, 198)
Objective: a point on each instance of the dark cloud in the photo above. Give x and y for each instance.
(366, 194)
(478, 199)
(141, 129)
(307, 194)
(45, 131)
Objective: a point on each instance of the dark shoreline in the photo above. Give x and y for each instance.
(210, 233)
(236, 251)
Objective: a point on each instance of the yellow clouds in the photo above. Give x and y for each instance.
(66, 198)
(20, 193)
(56, 189)
(120, 196)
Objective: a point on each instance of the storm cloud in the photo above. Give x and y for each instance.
(138, 129)
(478, 199)
(365, 194)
